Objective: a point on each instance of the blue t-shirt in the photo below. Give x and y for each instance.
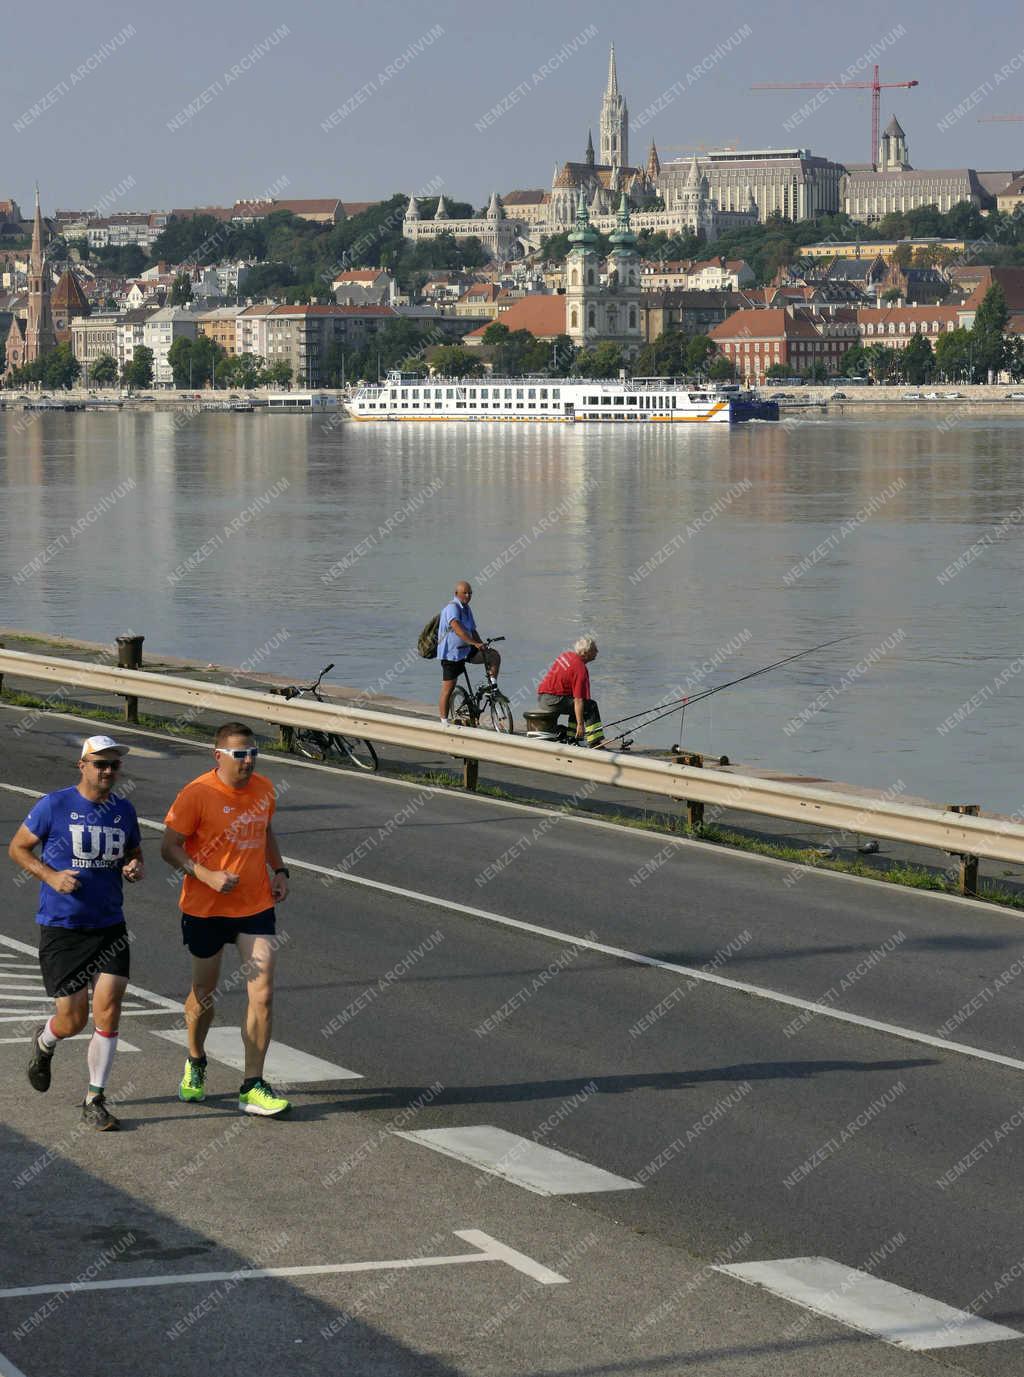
(450, 646)
(92, 839)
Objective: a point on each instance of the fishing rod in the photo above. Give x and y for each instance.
(664, 710)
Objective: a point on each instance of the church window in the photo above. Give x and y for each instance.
(590, 277)
(632, 317)
(591, 320)
(575, 319)
(575, 278)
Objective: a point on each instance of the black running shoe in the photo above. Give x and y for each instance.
(40, 1063)
(96, 1114)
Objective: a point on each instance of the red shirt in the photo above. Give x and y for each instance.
(568, 677)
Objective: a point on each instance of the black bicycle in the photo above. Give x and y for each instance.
(314, 745)
(468, 705)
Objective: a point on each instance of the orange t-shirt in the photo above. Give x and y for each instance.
(225, 829)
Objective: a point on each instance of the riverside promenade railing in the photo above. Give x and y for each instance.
(940, 829)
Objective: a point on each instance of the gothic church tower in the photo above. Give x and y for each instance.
(614, 121)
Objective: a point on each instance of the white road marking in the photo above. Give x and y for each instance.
(637, 958)
(286, 1064)
(164, 1005)
(490, 1250)
(501, 1252)
(866, 1303)
(536, 1168)
(122, 1045)
(7, 1368)
(514, 806)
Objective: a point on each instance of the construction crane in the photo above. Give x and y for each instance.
(874, 86)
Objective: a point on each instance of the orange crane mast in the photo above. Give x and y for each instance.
(874, 86)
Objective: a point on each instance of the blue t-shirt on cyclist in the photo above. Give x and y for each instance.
(449, 645)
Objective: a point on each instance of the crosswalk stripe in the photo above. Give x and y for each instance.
(521, 1161)
(866, 1303)
(286, 1064)
(122, 1045)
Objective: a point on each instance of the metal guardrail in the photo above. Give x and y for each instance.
(940, 829)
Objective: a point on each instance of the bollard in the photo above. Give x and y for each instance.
(286, 735)
(470, 773)
(968, 880)
(129, 656)
(694, 809)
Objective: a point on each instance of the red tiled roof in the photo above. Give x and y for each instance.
(1010, 279)
(358, 207)
(543, 316)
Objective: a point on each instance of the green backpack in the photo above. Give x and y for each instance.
(427, 643)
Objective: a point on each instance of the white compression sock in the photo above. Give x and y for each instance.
(102, 1047)
(48, 1039)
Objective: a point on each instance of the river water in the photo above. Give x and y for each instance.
(693, 556)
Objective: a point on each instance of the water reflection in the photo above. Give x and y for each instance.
(553, 526)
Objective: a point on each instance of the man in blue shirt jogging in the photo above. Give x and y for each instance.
(457, 642)
(90, 840)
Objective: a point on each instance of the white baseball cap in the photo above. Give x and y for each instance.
(93, 745)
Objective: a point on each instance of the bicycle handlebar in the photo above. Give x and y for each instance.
(493, 639)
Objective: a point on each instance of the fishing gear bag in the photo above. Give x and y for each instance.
(427, 643)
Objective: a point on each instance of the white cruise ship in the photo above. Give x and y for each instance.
(410, 397)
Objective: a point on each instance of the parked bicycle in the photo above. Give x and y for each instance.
(315, 745)
(469, 704)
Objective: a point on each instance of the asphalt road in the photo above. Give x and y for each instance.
(750, 1128)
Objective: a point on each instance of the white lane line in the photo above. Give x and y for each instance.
(122, 1045)
(286, 1064)
(170, 1005)
(542, 1170)
(866, 1303)
(706, 977)
(637, 958)
(7, 1368)
(489, 1250)
(515, 806)
(46, 1007)
(501, 1252)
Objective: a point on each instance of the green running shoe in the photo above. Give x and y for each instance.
(262, 1099)
(193, 1082)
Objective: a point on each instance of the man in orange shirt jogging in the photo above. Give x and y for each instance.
(219, 834)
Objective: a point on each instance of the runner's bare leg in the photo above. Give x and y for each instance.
(200, 1006)
(258, 957)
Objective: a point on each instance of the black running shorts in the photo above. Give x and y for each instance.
(206, 936)
(70, 957)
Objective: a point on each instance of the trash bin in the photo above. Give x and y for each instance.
(129, 652)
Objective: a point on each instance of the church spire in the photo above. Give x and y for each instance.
(613, 78)
(590, 148)
(36, 257)
(653, 163)
(614, 125)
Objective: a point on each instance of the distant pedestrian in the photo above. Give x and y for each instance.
(219, 835)
(566, 688)
(90, 841)
(459, 643)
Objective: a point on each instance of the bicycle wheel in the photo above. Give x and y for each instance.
(501, 714)
(461, 709)
(309, 744)
(355, 750)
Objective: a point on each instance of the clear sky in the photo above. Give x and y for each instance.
(87, 102)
